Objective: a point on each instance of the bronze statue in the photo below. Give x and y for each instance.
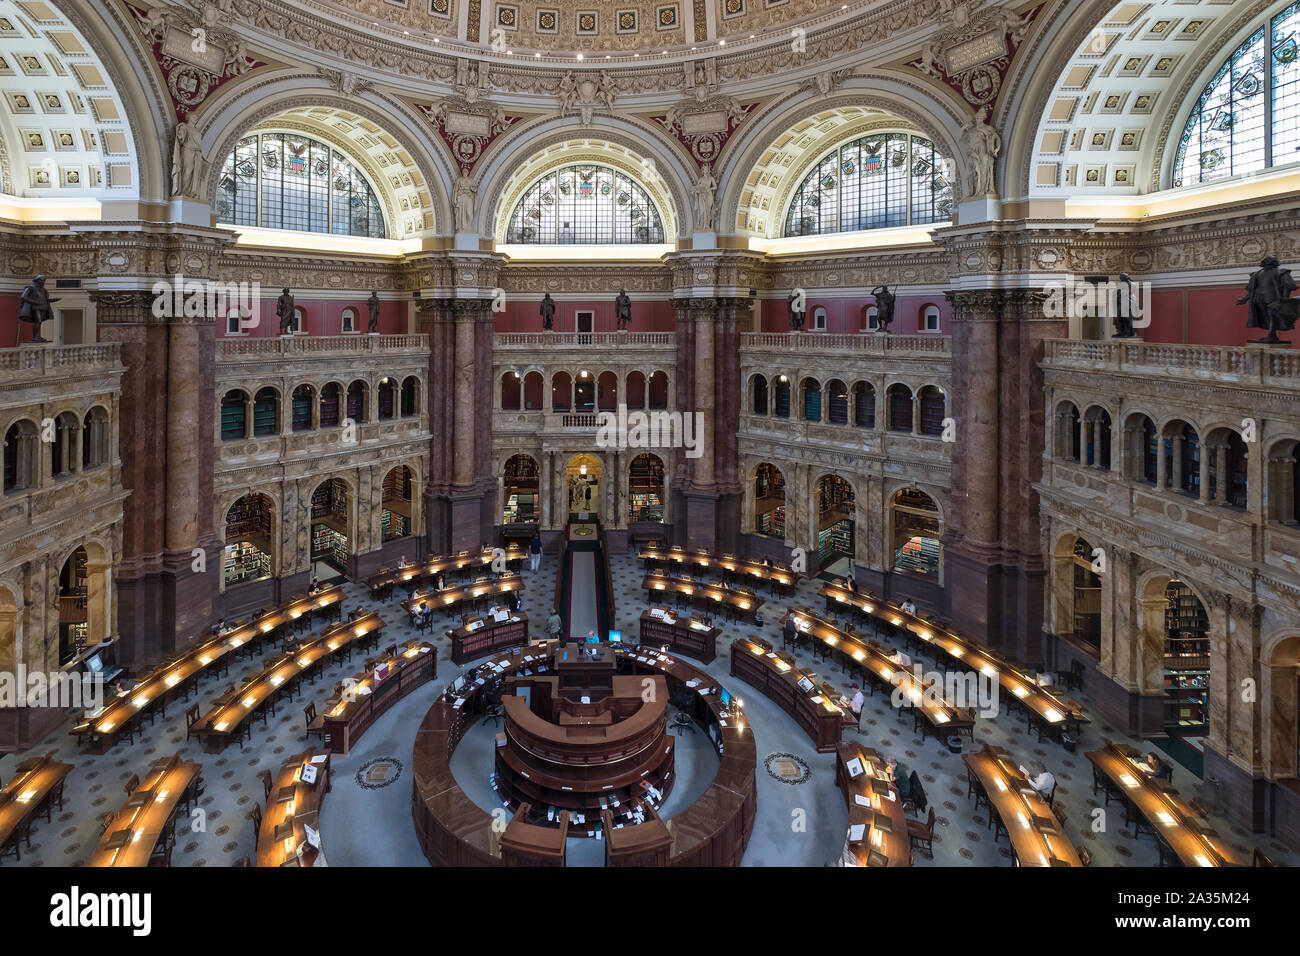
(1271, 307)
(623, 309)
(35, 308)
(373, 304)
(793, 301)
(547, 312)
(1123, 317)
(884, 307)
(284, 312)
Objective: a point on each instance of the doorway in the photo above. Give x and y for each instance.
(583, 487)
(585, 321)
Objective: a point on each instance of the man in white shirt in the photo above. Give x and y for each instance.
(855, 705)
(902, 659)
(908, 606)
(1040, 778)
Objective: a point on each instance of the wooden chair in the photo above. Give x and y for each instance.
(192, 717)
(921, 835)
(1259, 859)
(255, 815)
(11, 846)
(314, 725)
(53, 797)
(974, 788)
(1085, 857)
(105, 822)
(132, 785)
(996, 824)
(266, 783)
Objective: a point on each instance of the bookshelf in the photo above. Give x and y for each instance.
(1186, 659)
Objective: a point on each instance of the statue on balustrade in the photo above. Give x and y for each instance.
(284, 311)
(547, 312)
(373, 305)
(1271, 307)
(795, 305)
(34, 307)
(1124, 308)
(623, 309)
(884, 307)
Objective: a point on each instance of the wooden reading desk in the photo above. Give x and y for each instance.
(796, 690)
(372, 692)
(37, 783)
(877, 833)
(293, 806)
(661, 626)
(779, 577)
(451, 598)
(134, 832)
(465, 561)
(1032, 827)
(482, 635)
(1174, 821)
(734, 600)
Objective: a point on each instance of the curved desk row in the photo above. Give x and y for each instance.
(488, 637)
(661, 627)
(454, 831)
(777, 576)
(370, 694)
(290, 832)
(465, 561)
(877, 823)
(451, 598)
(145, 818)
(734, 601)
(795, 690)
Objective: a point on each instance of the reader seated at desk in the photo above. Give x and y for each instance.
(1155, 767)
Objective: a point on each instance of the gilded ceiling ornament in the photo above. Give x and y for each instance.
(973, 53)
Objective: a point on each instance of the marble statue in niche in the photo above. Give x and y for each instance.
(188, 165)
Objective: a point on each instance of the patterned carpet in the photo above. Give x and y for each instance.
(801, 815)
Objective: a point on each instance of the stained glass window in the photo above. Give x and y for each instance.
(585, 204)
(878, 181)
(284, 181)
(1248, 116)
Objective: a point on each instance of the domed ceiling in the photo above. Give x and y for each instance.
(644, 27)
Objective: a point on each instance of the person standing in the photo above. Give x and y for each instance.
(535, 553)
(553, 625)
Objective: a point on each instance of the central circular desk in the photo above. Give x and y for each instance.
(574, 761)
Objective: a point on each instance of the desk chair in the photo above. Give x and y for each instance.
(162, 851)
(996, 824)
(313, 724)
(921, 835)
(54, 796)
(975, 788)
(192, 792)
(11, 846)
(682, 722)
(1073, 678)
(1167, 855)
(132, 784)
(494, 712)
(1259, 859)
(255, 815)
(265, 775)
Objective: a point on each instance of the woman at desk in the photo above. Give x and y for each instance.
(314, 586)
(899, 776)
(849, 583)
(437, 581)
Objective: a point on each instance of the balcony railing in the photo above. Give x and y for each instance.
(857, 343)
(548, 340)
(1278, 368)
(33, 362)
(261, 348)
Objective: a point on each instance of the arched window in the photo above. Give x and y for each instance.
(837, 401)
(607, 392)
(533, 385)
(930, 319)
(561, 392)
(759, 403)
(266, 407)
(585, 204)
(900, 408)
(94, 442)
(357, 401)
(864, 405)
(304, 399)
(819, 318)
(658, 391)
(63, 450)
(20, 457)
(871, 319)
(510, 391)
(288, 181)
(1245, 119)
(933, 410)
(410, 396)
(878, 181)
(329, 406)
(584, 393)
(234, 415)
(387, 392)
(782, 397)
(812, 400)
(349, 323)
(635, 390)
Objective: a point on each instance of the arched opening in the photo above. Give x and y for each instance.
(1227, 459)
(835, 525)
(304, 406)
(534, 387)
(646, 489)
(658, 397)
(607, 392)
(348, 322)
(511, 391)
(758, 395)
(864, 405)
(95, 438)
(812, 400)
(1282, 483)
(1066, 432)
(410, 396)
(386, 395)
(1282, 708)
(583, 477)
(74, 605)
(266, 413)
(1096, 438)
(357, 401)
(65, 456)
(397, 517)
(20, 472)
(782, 403)
(561, 392)
(330, 405)
(1141, 451)
(585, 204)
(521, 486)
(769, 501)
(917, 531)
(584, 393)
(871, 319)
(8, 631)
(934, 408)
(1172, 611)
(331, 530)
(234, 415)
(635, 391)
(250, 531)
(837, 402)
(1086, 608)
(900, 408)
(1182, 450)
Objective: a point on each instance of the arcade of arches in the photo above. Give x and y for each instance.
(794, 307)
